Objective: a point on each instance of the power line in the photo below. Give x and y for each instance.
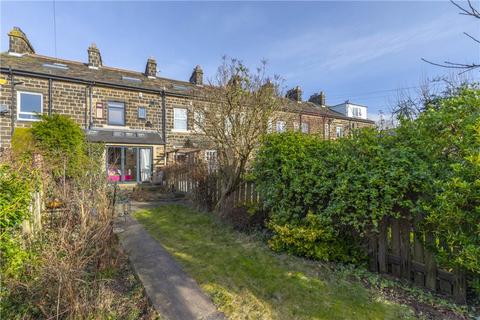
(55, 29)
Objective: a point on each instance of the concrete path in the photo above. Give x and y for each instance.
(173, 293)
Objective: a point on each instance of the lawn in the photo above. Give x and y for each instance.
(248, 281)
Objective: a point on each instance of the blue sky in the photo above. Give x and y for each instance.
(362, 51)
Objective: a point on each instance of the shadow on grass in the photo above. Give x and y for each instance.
(248, 281)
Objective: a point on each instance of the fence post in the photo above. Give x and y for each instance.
(395, 246)
(382, 246)
(405, 257)
(430, 266)
(372, 252)
(460, 287)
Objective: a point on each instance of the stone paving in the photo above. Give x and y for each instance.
(173, 293)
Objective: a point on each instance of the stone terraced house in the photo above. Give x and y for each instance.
(144, 120)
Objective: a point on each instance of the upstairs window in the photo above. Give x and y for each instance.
(339, 132)
(116, 113)
(142, 113)
(357, 112)
(280, 126)
(29, 105)
(180, 119)
(305, 127)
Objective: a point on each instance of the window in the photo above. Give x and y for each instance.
(305, 127)
(339, 132)
(269, 126)
(357, 112)
(116, 113)
(129, 164)
(142, 113)
(180, 119)
(280, 126)
(198, 121)
(29, 105)
(211, 160)
(327, 131)
(296, 126)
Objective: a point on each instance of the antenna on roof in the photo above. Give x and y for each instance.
(55, 29)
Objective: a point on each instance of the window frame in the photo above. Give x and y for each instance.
(305, 127)
(357, 110)
(175, 117)
(144, 111)
(339, 133)
(124, 113)
(19, 104)
(280, 126)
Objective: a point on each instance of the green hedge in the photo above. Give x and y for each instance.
(426, 168)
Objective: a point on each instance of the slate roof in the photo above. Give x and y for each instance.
(81, 71)
(310, 108)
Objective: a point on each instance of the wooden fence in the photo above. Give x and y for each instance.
(210, 189)
(396, 250)
(400, 251)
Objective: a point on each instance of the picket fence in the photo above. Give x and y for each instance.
(397, 249)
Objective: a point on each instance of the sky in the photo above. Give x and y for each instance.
(366, 52)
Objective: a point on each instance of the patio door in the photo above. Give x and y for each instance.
(145, 164)
(129, 164)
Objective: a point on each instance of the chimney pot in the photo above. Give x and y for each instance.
(197, 76)
(295, 94)
(94, 57)
(318, 98)
(151, 68)
(18, 42)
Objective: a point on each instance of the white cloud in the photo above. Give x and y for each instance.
(332, 50)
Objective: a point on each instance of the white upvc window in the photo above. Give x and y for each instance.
(305, 127)
(211, 160)
(357, 112)
(296, 126)
(339, 132)
(142, 113)
(116, 113)
(198, 121)
(29, 105)
(280, 126)
(180, 122)
(327, 131)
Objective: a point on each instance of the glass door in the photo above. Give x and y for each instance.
(145, 161)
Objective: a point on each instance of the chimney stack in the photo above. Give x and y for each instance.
(294, 94)
(151, 68)
(318, 98)
(18, 42)
(94, 57)
(197, 76)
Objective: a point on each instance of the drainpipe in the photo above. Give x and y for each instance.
(12, 114)
(50, 96)
(90, 122)
(164, 127)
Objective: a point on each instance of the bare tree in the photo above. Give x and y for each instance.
(234, 112)
(471, 11)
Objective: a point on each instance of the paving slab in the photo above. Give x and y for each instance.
(173, 293)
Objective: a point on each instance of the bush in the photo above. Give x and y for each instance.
(427, 169)
(62, 142)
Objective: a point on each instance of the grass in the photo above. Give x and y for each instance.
(248, 281)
